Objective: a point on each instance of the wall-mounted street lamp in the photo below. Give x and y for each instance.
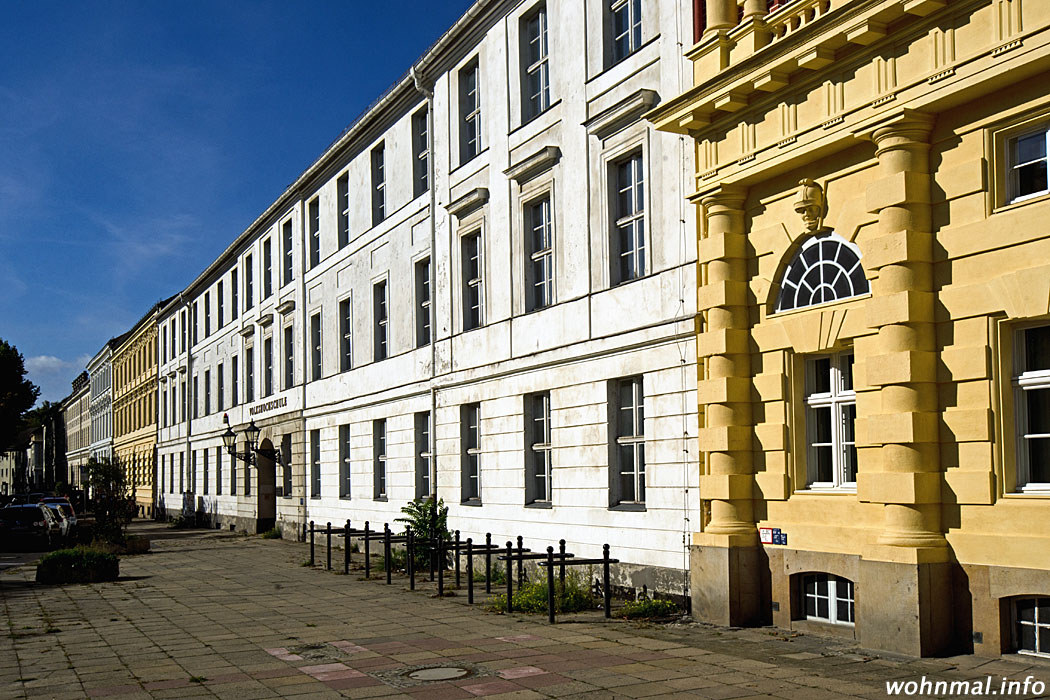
(251, 437)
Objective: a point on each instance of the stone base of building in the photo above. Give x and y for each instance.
(927, 606)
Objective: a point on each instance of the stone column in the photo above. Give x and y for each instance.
(721, 15)
(907, 574)
(726, 577)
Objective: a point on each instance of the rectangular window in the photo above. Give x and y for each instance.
(1027, 163)
(218, 471)
(424, 452)
(220, 393)
(249, 374)
(182, 472)
(629, 219)
(535, 79)
(289, 357)
(182, 331)
(539, 268)
(163, 408)
(233, 476)
(421, 149)
(344, 461)
(235, 395)
(249, 283)
(342, 186)
(827, 598)
(220, 303)
(207, 392)
(267, 270)
(1032, 628)
(626, 28)
(205, 467)
(469, 112)
(628, 430)
(472, 281)
(286, 237)
(538, 448)
(346, 338)
(194, 319)
(315, 464)
(379, 312)
(423, 302)
(234, 308)
(470, 467)
(247, 476)
(195, 397)
(1032, 406)
(286, 465)
(831, 412)
(207, 314)
(379, 458)
(314, 220)
(315, 347)
(378, 184)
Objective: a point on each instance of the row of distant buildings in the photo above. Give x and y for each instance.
(756, 292)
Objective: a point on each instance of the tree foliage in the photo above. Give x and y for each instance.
(17, 394)
(427, 519)
(114, 506)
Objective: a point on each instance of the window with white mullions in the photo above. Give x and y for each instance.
(831, 414)
(343, 198)
(470, 476)
(379, 458)
(472, 282)
(423, 302)
(626, 27)
(315, 232)
(421, 149)
(540, 272)
(346, 339)
(1032, 629)
(1032, 406)
(538, 443)
(344, 461)
(423, 454)
(828, 598)
(469, 112)
(630, 219)
(378, 184)
(630, 440)
(315, 464)
(286, 238)
(536, 96)
(379, 313)
(1028, 165)
(826, 268)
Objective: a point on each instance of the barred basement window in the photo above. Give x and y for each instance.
(825, 269)
(1032, 408)
(831, 413)
(827, 598)
(1032, 629)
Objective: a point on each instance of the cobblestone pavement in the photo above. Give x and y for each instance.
(210, 614)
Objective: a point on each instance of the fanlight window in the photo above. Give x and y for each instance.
(826, 268)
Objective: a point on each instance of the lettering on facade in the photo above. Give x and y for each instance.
(268, 406)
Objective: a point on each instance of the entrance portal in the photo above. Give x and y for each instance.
(267, 504)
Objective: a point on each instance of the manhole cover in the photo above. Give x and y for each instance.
(441, 673)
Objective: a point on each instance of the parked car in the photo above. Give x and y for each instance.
(66, 526)
(31, 526)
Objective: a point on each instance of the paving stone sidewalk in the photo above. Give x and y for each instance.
(210, 614)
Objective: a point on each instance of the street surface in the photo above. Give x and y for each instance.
(210, 614)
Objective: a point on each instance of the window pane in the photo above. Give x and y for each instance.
(1031, 148)
(1039, 461)
(847, 372)
(821, 424)
(1026, 610)
(641, 471)
(1026, 635)
(821, 372)
(822, 463)
(1031, 178)
(1038, 401)
(1037, 348)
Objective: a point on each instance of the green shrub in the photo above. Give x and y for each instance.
(77, 565)
(646, 608)
(532, 597)
(426, 517)
(272, 534)
(499, 574)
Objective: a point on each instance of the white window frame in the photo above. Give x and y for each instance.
(1013, 167)
(346, 334)
(839, 590)
(288, 246)
(837, 400)
(535, 103)
(379, 459)
(343, 199)
(1023, 381)
(542, 257)
(633, 220)
(470, 426)
(313, 209)
(470, 144)
(421, 151)
(316, 342)
(635, 441)
(378, 164)
(315, 463)
(424, 298)
(380, 321)
(1037, 623)
(345, 472)
(538, 459)
(473, 285)
(634, 22)
(424, 453)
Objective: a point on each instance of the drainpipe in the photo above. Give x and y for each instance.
(428, 92)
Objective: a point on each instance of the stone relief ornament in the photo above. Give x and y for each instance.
(811, 205)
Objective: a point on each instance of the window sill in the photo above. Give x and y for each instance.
(1040, 491)
(473, 502)
(344, 498)
(380, 499)
(543, 505)
(629, 507)
(830, 491)
(1021, 201)
(315, 498)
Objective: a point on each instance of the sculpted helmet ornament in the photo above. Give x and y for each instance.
(811, 205)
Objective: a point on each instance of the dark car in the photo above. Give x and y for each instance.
(29, 526)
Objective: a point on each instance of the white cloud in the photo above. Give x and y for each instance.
(46, 364)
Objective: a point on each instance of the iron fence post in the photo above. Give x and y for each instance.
(311, 543)
(328, 536)
(510, 576)
(368, 552)
(488, 562)
(470, 571)
(386, 550)
(455, 553)
(411, 546)
(346, 548)
(605, 580)
(550, 585)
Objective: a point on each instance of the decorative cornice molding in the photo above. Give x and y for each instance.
(531, 166)
(627, 110)
(468, 202)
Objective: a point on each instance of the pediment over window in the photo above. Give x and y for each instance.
(825, 268)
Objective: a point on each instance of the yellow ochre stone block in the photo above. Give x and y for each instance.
(724, 390)
(722, 246)
(968, 424)
(722, 487)
(903, 428)
(726, 438)
(724, 293)
(907, 187)
(967, 363)
(899, 487)
(897, 247)
(909, 366)
(969, 487)
(772, 486)
(724, 341)
(902, 307)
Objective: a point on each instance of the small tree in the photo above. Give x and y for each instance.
(17, 394)
(427, 519)
(114, 506)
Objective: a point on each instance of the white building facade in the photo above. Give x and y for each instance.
(100, 376)
(76, 411)
(485, 289)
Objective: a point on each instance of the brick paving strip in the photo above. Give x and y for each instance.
(211, 615)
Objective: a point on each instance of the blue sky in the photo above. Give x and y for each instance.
(137, 139)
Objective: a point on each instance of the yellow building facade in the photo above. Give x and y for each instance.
(135, 409)
(874, 325)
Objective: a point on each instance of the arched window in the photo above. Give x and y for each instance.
(826, 268)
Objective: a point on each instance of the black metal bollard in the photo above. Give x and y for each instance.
(550, 585)
(311, 543)
(328, 536)
(368, 552)
(410, 545)
(510, 575)
(386, 551)
(561, 569)
(455, 553)
(470, 571)
(521, 564)
(488, 562)
(304, 533)
(432, 538)
(441, 565)
(346, 548)
(605, 580)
